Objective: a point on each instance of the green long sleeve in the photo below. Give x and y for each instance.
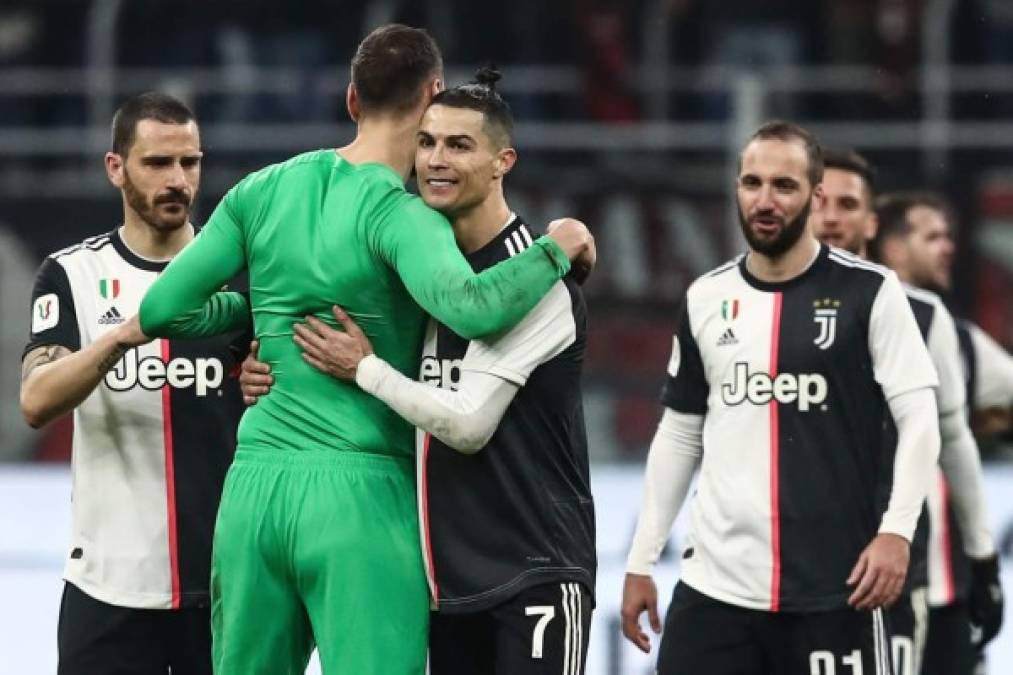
(184, 302)
(438, 277)
(316, 231)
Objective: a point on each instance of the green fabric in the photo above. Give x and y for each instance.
(224, 312)
(314, 231)
(318, 547)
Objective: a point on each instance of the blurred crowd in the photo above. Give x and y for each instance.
(664, 217)
(603, 38)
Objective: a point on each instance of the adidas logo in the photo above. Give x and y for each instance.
(727, 338)
(111, 317)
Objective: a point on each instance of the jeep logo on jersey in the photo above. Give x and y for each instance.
(444, 373)
(826, 318)
(153, 373)
(807, 389)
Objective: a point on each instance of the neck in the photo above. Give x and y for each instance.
(479, 225)
(904, 275)
(148, 242)
(385, 140)
(787, 266)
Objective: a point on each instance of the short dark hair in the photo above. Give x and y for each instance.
(847, 159)
(150, 105)
(481, 95)
(892, 211)
(391, 65)
(789, 131)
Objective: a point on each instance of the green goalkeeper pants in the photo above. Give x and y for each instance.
(318, 548)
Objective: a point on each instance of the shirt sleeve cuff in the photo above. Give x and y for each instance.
(370, 373)
(555, 253)
(895, 526)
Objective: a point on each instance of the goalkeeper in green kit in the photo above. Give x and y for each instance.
(317, 538)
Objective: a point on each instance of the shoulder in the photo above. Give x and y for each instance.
(316, 160)
(922, 297)
(717, 280)
(865, 282)
(859, 268)
(84, 248)
(395, 204)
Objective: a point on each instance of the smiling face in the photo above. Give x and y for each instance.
(160, 174)
(456, 160)
(774, 195)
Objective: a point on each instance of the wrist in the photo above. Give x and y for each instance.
(555, 253)
(115, 349)
(898, 529)
(369, 372)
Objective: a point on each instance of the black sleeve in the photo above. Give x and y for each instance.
(54, 318)
(686, 388)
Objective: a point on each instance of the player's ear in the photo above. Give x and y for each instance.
(352, 103)
(819, 198)
(504, 162)
(893, 252)
(871, 227)
(114, 168)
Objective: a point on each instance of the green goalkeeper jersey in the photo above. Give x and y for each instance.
(317, 231)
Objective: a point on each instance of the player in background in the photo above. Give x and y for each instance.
(507, 519)
(965, 594)
(785, 364)
(325, 468)
(989, 370)
(848, 220)
(154, 422)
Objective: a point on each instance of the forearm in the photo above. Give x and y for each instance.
(184, 302)
(474, 306)
(224, 312)
(671, 462)
(961, 465)
(464, 419)
(916, 417)
(57, 386)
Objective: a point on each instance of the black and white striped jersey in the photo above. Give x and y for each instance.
(988, 369)
(938, 330)
(987, 381)
(518, 513)
(151, 444)
(931, 557)
(793, 380)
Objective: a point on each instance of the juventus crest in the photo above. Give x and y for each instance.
(825, 316)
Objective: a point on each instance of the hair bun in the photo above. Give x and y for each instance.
(488, 76)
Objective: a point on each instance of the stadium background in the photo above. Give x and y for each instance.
(629, 116)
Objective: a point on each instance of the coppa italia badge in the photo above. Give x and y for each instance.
(109, 288)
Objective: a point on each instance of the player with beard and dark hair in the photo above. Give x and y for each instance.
(768, 231)
(154, 422)
(964, 588)
(849, 219)
(785, 364)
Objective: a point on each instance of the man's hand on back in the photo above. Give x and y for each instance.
(255, 379)
(332, 351)
(577, 242)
